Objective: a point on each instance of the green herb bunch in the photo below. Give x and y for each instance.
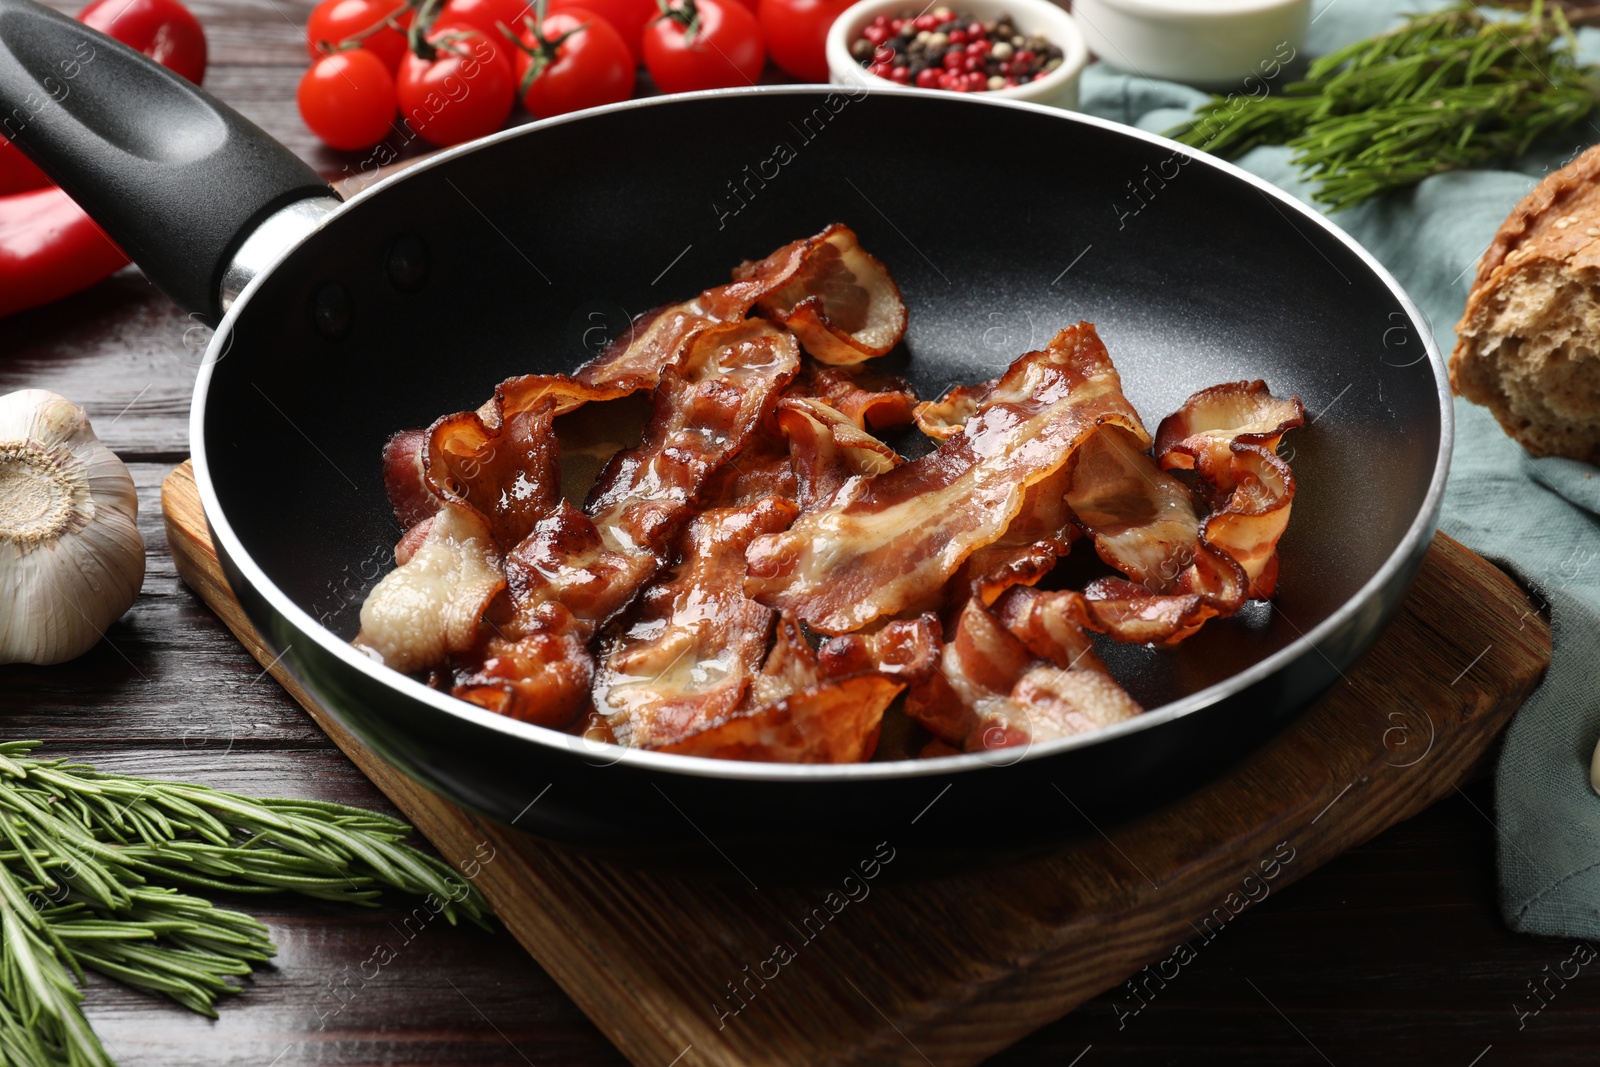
(1446, 90)
(82, 858)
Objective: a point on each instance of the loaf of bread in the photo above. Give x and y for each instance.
(1528, 345)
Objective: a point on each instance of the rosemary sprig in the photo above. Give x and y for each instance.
(1444, 91)
(82, 851)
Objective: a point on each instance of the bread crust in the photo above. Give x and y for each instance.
(1555, 228)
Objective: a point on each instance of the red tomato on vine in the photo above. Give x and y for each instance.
(575, 60)
(797, 32)
(348, 99)
(704, 44)
(376, 25)
(487, 15)
(461, 87)
(164, 30)
(628, 17)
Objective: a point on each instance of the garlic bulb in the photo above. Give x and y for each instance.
(71, 559)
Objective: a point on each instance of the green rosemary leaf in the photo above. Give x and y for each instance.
(89, 864)
(1447, 90)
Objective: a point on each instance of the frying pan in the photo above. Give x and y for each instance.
(339, 323)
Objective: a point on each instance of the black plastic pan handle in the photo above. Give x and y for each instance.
(175, 176)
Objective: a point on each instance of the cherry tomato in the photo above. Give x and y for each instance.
(164, 30)
(628, 17)
(464, 91)
(348, 99)
(796, 33)
(704, 44)
(487, 15)
(333, 22)
(581, 62)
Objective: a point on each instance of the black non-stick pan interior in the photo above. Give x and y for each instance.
(1001, 225)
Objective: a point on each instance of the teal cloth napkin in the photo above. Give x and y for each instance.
(1537, 518)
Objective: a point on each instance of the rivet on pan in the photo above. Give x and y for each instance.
(331, 311)
(408, 263)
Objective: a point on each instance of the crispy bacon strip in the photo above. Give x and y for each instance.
(891, 540)
(865, 395)
(762, 469)
(404, 479)
(836, 722)
(824, 706)
(505, 473)
(420, 613)
(1141, 518)
(839, 296)
(705, 410)
(1143, 522)
(1041, 534)
(488, 459)
(575, 570)
(994, 690)
(791, 665)
(1203, 431)
(1057, 636)
(943, 418)
(691, 672)
(1229, 435)
(1182, 571)
(827, 449)
(840, 301)
(692, 644)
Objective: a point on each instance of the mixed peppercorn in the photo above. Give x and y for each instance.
(944, 49)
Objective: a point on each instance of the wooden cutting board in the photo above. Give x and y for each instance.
(683, 971)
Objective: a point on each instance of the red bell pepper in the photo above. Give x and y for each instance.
(48, 247)
(17, 172)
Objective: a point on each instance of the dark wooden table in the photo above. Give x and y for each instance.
(1394, 954)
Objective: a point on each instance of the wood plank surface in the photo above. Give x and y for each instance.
(951, 970)
(1393, 954)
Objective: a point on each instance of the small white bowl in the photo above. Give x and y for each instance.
(1059, 88)
(1213, 44)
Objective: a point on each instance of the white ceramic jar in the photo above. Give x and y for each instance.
(1214, 44)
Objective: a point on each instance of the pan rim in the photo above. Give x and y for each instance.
(1408, 548)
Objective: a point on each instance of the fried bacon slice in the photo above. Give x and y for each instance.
(838, 300)
(705, 410)
(836, 722)
(826, 449)
(1036, 539)
(692, 643)
(404, 480)
(1201, 433)
(942, 419)
(690, 671)
(420, 613)
(835, 297)
(995, 690)
(575, 570)
(1212, 585)
(824, 706)
(884, 542)
(488, 459)
(864, 394)
(1229, 436)
(1141, 518)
